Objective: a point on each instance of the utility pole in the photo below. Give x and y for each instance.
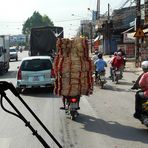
(138, 25)
(98, 10)
(108, 30)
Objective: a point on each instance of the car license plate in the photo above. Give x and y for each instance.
(35, 78)
(73, 105)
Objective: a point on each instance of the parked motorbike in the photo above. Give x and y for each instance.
(101, 79)
(72, 106)
(116, 75)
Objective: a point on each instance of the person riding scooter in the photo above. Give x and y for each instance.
(141, 95)
(100, 65)
(117, 63)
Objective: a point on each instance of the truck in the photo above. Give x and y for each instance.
(4, 53)
(43, 40)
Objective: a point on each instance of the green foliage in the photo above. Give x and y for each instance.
(36, 20)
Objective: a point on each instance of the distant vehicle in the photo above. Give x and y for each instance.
(13, 53)
(4, 53)
(35, 71)
(43, 40)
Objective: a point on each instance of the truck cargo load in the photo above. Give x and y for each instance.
(43, 40)
(4, 53)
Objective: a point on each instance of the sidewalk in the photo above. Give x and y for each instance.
(130, 66)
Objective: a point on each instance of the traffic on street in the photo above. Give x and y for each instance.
(105, 117)
(74, 74)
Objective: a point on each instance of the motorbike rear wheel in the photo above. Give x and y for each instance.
(73, 114)
(101, 85)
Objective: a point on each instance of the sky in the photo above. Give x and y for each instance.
(63, 13)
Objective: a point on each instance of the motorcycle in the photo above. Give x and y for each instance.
(116, 75)
(144, 115)
(101, 80)
(72, 106)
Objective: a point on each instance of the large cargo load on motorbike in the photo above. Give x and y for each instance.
(73, 68)
(43, 40)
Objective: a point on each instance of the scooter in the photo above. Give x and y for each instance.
(72, 106)
(144, 115)
(116, 75)
(101, 80)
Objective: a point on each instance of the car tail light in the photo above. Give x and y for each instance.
(74, 100)
(19, 74)
(52, 73)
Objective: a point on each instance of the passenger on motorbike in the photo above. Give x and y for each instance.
(95, 56)
(111, 66)
(117, 63)
(141, 95)
(123, 55)
(100, 65)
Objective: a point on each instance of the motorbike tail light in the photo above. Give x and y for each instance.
(19, 74)
(73, 100)
(52, 73)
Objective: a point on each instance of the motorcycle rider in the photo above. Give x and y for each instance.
(111, 66)
(141, 95)
(66, 97)
(100, 65)
(123, 55)
(117, 63)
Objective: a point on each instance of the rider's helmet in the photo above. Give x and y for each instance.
(100, 55)
(96, 52)
(119, 53)
(144, 66)
(115, 53)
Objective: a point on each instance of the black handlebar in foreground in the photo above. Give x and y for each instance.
(9, 86)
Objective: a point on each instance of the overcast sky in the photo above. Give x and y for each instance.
(13, 13)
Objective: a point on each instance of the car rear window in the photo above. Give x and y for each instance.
(36, 65)
(12, 50)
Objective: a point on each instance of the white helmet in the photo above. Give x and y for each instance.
(119, 53)
(144, 65)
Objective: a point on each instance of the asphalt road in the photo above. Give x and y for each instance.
(105, 120)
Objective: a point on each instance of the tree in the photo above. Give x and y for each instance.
(36, 20)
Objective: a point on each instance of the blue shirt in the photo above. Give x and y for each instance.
(100, 65)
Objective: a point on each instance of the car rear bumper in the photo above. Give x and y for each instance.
(13, 56)
(21, 84)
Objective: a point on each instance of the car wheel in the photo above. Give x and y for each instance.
(51, 89)
(18, 89)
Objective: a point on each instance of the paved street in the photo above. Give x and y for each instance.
(105, 120)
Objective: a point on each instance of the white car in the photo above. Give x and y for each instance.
(13, 53)
(35, 71)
